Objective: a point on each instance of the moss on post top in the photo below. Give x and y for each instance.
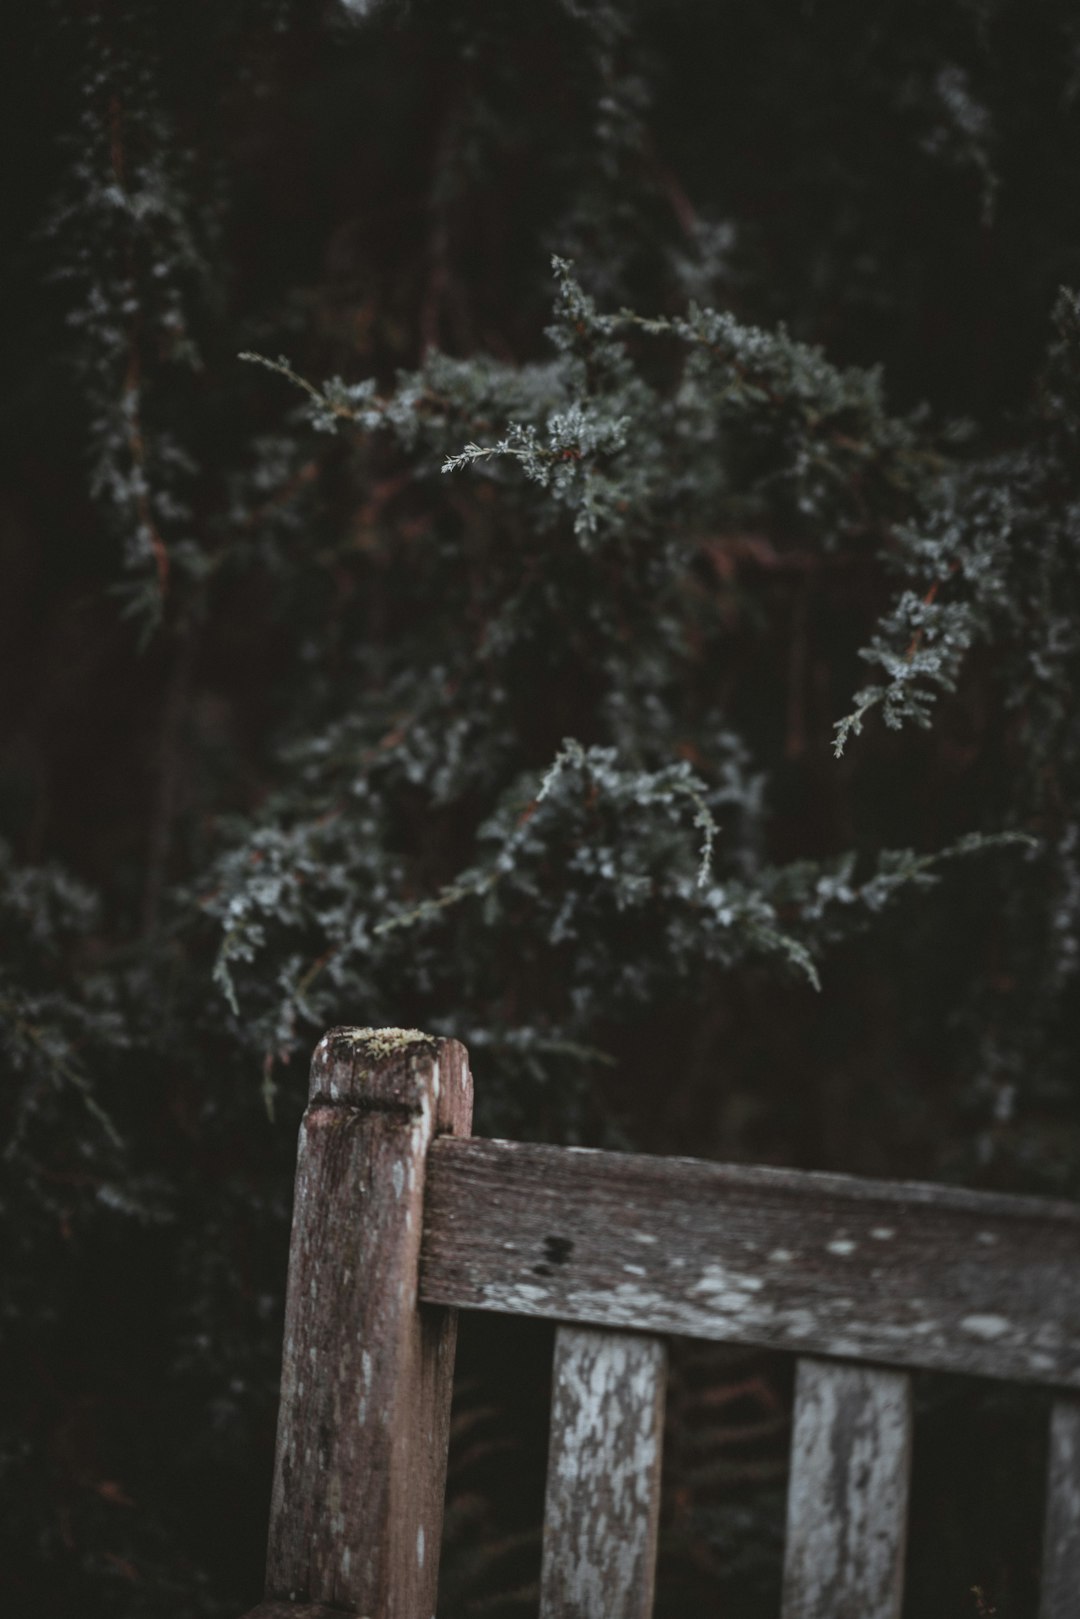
(378, 1044)
(397, 1070)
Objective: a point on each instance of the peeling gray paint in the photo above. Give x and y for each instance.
(603, 1476)
(847, 1495)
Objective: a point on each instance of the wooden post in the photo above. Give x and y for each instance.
(363, 1427)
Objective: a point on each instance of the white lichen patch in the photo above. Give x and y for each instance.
(522, 1298)
(727, 1291)
(988, 1327)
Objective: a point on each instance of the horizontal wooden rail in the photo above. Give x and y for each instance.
(894, 1272)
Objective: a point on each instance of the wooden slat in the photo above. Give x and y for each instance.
(363, 1427)
(1061, 1549)
(898, 1273)
(847, 1497)
(603, 1482)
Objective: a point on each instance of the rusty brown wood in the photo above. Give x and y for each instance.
(848, 1492)
(891, 1272)
(603, 1481)
(1061, 1547)
(356, 1515)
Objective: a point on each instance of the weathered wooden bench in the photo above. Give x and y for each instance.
(401, 1219)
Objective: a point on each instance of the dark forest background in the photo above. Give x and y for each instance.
(652, 389)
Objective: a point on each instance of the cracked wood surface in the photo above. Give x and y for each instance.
(893, 1272)
(603, 1479)
(1061, 1546)
(847, 1493)
(363, 1425)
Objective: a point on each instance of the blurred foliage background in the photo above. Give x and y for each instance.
(629, 621)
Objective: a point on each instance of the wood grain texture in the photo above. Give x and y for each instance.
(603, 1481)
(898, 1273)
(1061, 1547)
(363, 1426)
(848, 1492)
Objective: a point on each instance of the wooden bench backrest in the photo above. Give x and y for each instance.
(401, 1219)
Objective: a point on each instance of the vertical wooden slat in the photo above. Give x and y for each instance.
(847, 1498)
(603, 1480)
(1061, 1546)
(363, 1426)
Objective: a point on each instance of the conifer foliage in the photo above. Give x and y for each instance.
(557, 525)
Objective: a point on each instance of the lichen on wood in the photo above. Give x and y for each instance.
(379, 1043)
